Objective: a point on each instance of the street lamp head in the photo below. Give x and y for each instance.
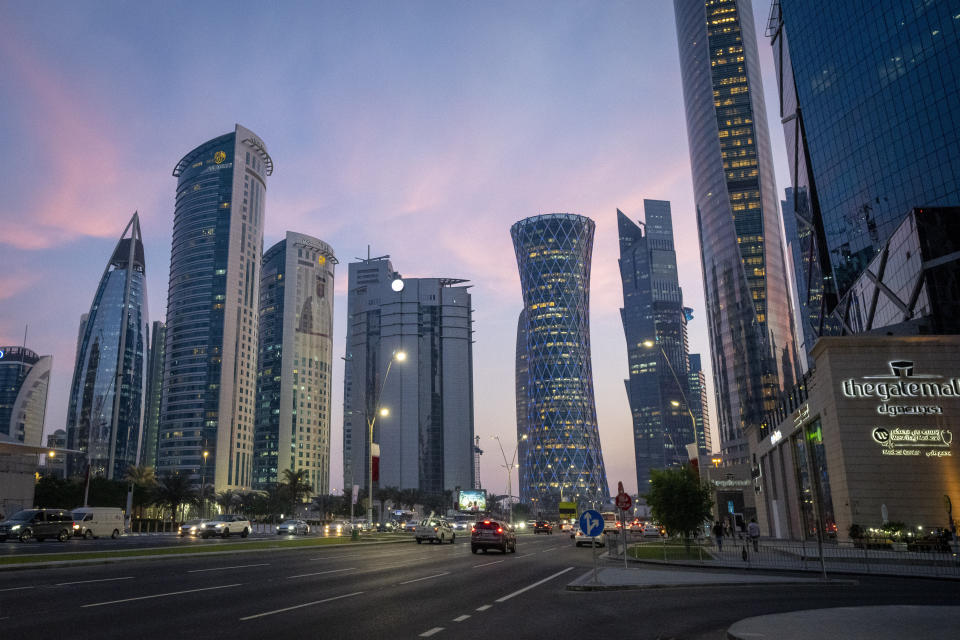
(52, 454)
(674, 403)
(205, 454)
(400, 356)
(524, 437)
(648, 343)
(385, 411)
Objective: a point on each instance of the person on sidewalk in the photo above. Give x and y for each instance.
(753, 530)
(718, 535)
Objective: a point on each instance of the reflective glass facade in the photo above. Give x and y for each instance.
(151, 414)
(212, 309)
(24, 380)
(295, 362)
(747, 299)
(105, 410)
(654, 324)
(871, 105)
(562, 451)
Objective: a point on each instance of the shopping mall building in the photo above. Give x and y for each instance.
(865, 439)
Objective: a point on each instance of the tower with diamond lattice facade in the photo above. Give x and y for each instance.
(561, 456)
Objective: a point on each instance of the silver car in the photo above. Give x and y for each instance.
(191, 528)
(434, 530)
(293, 528)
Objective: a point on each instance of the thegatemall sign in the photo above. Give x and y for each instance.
(902, 384)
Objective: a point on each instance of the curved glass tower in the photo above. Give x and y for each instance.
(106, 397)
(24, 381)
(210, 371)
(745, 281)
(561, 456)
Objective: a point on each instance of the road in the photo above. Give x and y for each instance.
(395, 591)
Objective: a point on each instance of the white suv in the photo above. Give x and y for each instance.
(225, 525)
(435, 530)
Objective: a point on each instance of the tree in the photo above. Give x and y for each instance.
(144, 479)
(678, 500)
(173, 491)
(385, 494)
(521, 512)
(225, 500)
(294, 487)
(410, 498)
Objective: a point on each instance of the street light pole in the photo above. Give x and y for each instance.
(649, 344)
(203, 486)
(399, 356)
(509, 467)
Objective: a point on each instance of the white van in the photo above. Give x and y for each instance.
(93, 522)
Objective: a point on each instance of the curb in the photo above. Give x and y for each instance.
(57, 564)
(637, 587)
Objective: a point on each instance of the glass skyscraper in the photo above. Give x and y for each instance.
(105, 410)
(654, 324)
(24, 381)
(745, 283)
(870, 101)
(294, 368)
(210, 368)
(561, 456)
(151, 414)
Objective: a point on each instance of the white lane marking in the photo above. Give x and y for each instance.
(548, 549)
(484, 607)
(353, 555)
(427, 634)
(63, 584)
(461, 618)
(526, 555)
(319, 573)
(300, 606)
(238, 566)
(436, 575)
(535, 584)
(487, 564)
(16, 589)
(161, 595)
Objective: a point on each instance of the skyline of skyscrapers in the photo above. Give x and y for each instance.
(871, 134)
(295, 364)
(558, 437)
(654, 324)
(745, 283)
(210, 368)
(24, 382)
(105, 411)
(425, 437)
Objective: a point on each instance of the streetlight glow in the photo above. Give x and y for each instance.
(400, 356)
(648, 343)
(674, 403)
(384, 412)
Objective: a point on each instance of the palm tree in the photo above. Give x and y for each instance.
(173, 491)
(409, 498)
(294, 484)
(225, 500)
(144, 478)
(383, 494)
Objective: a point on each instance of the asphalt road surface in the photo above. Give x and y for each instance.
(397, 591)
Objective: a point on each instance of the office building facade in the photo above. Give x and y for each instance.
(294, 369)
(426, 438)
(560, 456)
(105, 410)
(654, 325)
(151, 412)
(745, 283)
(870, 104)
(24, 382)
(210, 365)
(697, 381)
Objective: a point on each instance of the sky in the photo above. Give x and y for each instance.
(422, 129)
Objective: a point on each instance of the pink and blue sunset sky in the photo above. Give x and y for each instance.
(424, 129)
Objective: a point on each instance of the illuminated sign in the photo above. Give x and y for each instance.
(473, 500)
(321, 260)
(776, 437)
(898, 441)
(901, 383)
(1, 353)
(219, 157)
(731, 483)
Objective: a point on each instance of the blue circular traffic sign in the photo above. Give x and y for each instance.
(591, 523)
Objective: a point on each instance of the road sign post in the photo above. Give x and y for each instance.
(591, 524)
(623, 503)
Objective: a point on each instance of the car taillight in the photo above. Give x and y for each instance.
(436, 528)
(473, 529)
(499, 529)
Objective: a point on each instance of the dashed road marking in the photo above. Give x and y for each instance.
(63, 584)
(300, 606)
(436, 575)
(238, 566)
(461, 618)
(319, 573)
(16, 589)
(160, 595)
(487, 564)
(535, 584)
(484, 607)
(427, 634)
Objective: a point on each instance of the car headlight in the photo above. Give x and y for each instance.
(218, 526)
(193, 529)
(14, 527)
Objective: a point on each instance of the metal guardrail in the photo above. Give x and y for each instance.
(774, 554)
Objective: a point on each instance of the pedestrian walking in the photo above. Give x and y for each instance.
(753, 530)
(718, 535)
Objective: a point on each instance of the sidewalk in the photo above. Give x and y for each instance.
(618, 578)
(853, 623)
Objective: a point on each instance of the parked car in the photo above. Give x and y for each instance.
(93, 522)
(293, 527)
(492, 534)
(435, 530)
(191, 528)
(39, 524)
(543, 526)
(225, 525)
(651, 530)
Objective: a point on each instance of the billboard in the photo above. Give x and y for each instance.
(473, 500)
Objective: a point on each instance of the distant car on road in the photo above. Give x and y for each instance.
(191, 528)
(651, 530)
(435, 530)
(493, 534)
(293, 528)
(410, 526)
(38, 523)
(542, 526)
(225, 525)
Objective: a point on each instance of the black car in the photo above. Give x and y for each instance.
(542, 526)
(491, 534)
(39, 524)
